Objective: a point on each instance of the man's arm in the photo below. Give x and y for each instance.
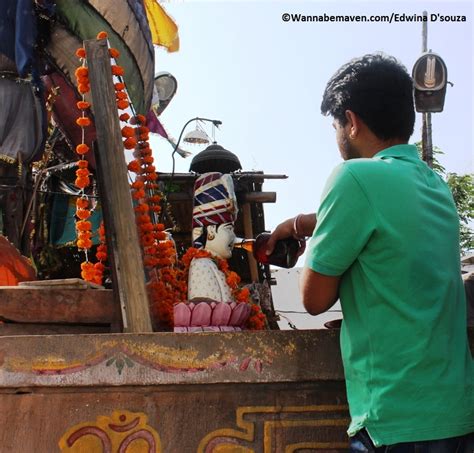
(298, 227)
(319, 292)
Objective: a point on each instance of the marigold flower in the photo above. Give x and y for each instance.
(114, 53)
(81, 52)
(121, 95)
(142, 208)
(97, 278)
(102, 35)
(134, 166)
(243, 295)
(84, 243)
(155, 199)
(148, 159)
(137, 185)
(81, 71)
(147, 240)
(82, 203)
(82, 163)
(83, 214)
(128, 131)
(117, 70)
(99, 267)
(145, 152)
(150, 261)
(101, 256)
(150, 169)
(119, 86)
(84, 234)
(147, 227)
(156, 208)
(144, 218)
(138, 194)
(82, 149)
(130, 143)
(122, 104)
(83, 121)
(143, 130)
(83, 105)
(82, 81)
(102, 248)
(141, 119)
(82, 182)
(151, 177)
(159, 235)
(82, 172)
(83, 88)
(88, 276)
(124, 117)
(144, 137)
(83, 225)
(102, 230)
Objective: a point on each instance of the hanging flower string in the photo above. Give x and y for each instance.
(83, 213)
(89, 271)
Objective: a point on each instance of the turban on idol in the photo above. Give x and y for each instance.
(214, 202)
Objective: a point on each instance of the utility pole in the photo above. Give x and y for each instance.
(426, 134)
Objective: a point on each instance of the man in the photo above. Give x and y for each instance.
(385, 241)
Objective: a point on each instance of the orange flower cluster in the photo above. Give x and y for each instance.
(159, 251)
(83, 225)
(257, 319)
(101, 255)
(89, 271)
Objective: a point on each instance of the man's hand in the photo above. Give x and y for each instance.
(305, 224)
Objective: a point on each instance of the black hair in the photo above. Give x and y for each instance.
(201, 241)
(379, 90)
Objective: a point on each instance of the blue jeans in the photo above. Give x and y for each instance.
(361, 443)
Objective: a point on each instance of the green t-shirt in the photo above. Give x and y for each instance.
(389, 226)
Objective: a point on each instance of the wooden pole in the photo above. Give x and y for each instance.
(248, 231)
(127, 267)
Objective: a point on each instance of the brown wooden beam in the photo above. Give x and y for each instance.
(122, 235)
(71, 306)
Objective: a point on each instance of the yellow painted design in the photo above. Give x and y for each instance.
(121, 432)
(149, 353)
(247, 428)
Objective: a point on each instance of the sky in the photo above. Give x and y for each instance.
(239, 62)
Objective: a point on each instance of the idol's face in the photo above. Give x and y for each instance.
(220, 240)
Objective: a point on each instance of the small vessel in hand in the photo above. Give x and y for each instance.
(285, 253)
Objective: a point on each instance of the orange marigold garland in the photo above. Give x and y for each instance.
(101, 255)
(83, 213)
(166, 285)
(89, 271)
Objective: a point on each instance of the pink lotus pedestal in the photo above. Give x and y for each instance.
(210, 316)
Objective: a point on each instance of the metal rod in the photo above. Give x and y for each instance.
(426, 133)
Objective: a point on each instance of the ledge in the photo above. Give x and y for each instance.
(169, 358)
